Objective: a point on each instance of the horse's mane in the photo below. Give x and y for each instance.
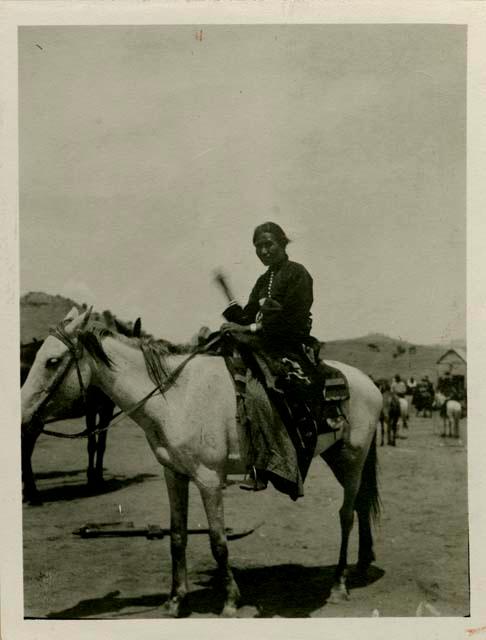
(91, 339)
(155, 351)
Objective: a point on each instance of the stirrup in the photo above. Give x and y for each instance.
(336, 424)
(253, 483)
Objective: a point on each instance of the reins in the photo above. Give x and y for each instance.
(119, 415)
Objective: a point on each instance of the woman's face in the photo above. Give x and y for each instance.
(268, 249)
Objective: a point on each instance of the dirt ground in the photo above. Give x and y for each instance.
(284, 568)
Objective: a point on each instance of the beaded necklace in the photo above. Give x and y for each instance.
(270, 284)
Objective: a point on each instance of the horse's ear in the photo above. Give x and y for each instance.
(86, 317)
(74, 313)
(137, 328)
(78, 322)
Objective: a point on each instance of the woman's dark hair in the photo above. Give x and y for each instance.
(275, 230)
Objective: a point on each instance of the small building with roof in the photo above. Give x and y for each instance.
(453, 365)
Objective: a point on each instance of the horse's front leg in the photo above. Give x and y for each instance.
(105, 417)
(178, 490)
(100, 454)
(29, 438)
(90, 427)
(212, 497)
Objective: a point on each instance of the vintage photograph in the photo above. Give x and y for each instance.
(242, 301)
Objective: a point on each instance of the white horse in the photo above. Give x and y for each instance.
(192, 430)
(451, 415)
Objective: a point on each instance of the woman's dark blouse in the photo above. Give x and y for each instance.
(288, 321)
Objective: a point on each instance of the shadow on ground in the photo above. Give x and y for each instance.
(109, 604)
(287, 590)
(51, 475)
(79, 488)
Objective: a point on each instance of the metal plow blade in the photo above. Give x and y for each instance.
(127, 529)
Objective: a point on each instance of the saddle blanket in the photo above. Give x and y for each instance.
(287, 408)
(267, 441)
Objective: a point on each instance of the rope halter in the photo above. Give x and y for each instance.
(76, 350)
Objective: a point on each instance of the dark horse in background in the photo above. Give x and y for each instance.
(423, 401)
(98, 411)
(390, 414)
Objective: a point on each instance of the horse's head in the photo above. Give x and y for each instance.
(439, 400)
(59, 373)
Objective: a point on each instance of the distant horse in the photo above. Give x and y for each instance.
(192, 430)
(423, 401)
(98, 411)
(451, 414)
(393, 414)
(387, 422)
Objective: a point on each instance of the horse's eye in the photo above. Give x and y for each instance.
(52, 362)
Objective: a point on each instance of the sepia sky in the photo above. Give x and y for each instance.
(148, 156)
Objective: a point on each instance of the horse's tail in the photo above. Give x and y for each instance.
(368, 495)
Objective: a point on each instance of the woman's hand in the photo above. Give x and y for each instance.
(233, 327)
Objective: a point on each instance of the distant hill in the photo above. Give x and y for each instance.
(383, 357)
(40, 311)
(375, 354)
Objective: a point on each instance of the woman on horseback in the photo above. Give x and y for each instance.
(278, 309)
(273, 335)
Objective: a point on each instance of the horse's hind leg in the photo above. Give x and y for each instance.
(212, 497)
(448, 427)
(178, 490)
(456, 427)
(367, 507)
(339, 589)
(392, 430)
(341, 463)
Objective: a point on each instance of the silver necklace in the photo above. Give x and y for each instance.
(270, 284)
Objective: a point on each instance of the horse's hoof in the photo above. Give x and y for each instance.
(172, 608)
(338, 595)
(229, 611)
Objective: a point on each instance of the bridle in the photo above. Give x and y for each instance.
(76, 350)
